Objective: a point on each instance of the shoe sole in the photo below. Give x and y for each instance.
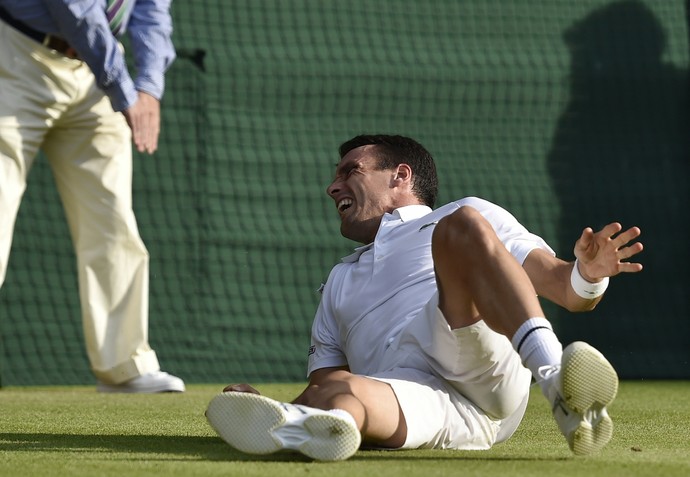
(255, 424)
(589, 384)
(152, 389)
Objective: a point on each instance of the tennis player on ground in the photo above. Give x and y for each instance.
(429, 334)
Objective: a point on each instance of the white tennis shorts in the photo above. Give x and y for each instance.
(458, 389)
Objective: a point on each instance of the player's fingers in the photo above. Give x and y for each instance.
(585, 239)
(627, 267)
(611, 229)
(625, 237)
(627, 252)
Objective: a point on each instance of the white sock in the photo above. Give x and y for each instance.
(538, 346)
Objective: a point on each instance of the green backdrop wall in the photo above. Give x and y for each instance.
(569, 114)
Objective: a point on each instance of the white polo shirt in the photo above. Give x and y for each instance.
(371, 295)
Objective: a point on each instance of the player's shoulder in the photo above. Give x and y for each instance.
(476, 202)
(493, 212)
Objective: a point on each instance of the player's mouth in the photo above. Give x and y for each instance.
(343, 205)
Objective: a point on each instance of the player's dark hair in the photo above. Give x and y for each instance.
(392, 150)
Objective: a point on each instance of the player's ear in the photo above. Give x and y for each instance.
(403, 173)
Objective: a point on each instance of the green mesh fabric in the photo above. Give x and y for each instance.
(569, 114)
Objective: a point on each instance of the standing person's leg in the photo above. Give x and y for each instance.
(24, 118)
(90, 153)
(15, 164)
(479, 279)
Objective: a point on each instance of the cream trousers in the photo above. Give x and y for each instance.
(50, 102)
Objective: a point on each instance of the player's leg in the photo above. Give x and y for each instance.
(399, 408)
(477, 277)
(476, 362)
(328, 421)
(372, 403)
(407, 408)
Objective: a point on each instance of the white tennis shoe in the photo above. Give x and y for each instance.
(579, 391)
(155, 382)
(255, 424)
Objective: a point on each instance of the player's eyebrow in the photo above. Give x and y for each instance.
(345, 167)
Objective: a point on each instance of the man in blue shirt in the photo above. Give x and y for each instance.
(65, 89)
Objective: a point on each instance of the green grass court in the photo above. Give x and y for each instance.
(61, 431)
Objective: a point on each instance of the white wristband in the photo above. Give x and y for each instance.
(584, 288)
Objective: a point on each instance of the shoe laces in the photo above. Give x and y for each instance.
(545, 372)
(545, 380)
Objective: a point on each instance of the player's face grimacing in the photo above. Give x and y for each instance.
(362, 193)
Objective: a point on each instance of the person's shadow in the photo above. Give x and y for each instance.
(621, 153)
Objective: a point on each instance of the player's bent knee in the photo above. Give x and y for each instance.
(462, 231)
(321, 395)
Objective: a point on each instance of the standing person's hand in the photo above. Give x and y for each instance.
(144, 118)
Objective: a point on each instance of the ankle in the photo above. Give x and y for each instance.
(547, 379)
(538, 346)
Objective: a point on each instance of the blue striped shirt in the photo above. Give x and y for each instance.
(84, 25)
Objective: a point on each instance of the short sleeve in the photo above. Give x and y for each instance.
(325, 350)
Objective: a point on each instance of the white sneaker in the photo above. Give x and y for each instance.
(579, 391)
(156, 382)
(256, 424)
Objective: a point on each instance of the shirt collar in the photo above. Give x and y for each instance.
(406, 213)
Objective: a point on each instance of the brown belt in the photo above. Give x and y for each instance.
(61, 46)
(50, 41)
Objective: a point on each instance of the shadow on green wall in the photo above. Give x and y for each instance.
(621, 153)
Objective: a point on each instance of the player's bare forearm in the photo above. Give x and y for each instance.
(600, 255)
(551, 279)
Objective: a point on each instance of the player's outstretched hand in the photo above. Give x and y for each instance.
(604, 253)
